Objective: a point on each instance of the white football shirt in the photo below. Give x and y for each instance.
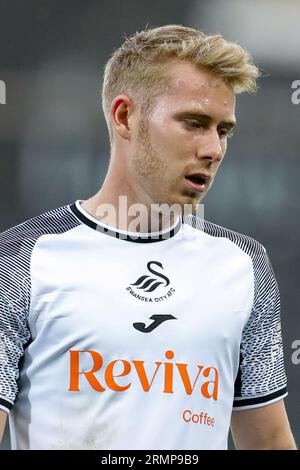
(116, 340)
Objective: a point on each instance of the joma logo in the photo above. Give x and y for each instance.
(158, 319)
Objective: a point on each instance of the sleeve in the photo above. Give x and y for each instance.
(14, 331)
(261, 377)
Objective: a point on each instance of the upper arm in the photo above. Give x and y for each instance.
(262, 428)
(3, 417)
(261, 377)
(259, 419)
(14, 330)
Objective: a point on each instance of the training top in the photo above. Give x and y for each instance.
(120, 340)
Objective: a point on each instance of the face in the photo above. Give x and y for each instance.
(184, 136)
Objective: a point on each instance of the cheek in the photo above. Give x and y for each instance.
(224, 147)
(171, 141)
(163, 140)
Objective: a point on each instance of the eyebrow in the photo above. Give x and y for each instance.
(230, 124)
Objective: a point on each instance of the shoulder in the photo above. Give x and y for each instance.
(20, 238)
(251, 247)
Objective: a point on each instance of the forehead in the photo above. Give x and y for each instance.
(198, 87)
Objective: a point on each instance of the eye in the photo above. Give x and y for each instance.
(226, 133)
(192, 123)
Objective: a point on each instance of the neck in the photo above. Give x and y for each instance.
(125, 207)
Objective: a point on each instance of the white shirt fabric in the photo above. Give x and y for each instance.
(116, 340)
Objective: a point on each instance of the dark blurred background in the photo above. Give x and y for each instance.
(54, 143)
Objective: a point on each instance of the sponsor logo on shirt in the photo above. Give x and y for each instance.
(201, 379)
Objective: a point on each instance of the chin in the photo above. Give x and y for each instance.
(185, 204)
(194, 203)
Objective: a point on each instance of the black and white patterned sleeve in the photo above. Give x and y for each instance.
(261, 377)
(16, 247)
(14, 303)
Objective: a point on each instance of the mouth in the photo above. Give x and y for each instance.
(197, 181)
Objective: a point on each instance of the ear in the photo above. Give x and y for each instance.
(121, 112)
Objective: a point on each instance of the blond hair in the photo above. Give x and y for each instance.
(138, 67)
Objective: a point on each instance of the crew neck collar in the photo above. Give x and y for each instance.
(137, 237)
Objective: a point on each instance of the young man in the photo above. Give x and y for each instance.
(148, 336)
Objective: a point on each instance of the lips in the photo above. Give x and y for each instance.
(197, 181)
(198, 178)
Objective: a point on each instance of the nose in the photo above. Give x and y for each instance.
(210, 147)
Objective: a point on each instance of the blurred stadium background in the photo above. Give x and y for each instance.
(53, 139)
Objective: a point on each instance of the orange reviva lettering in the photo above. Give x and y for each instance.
(205, 385)
(208, 388)
(139, 367)
(74, 370)
(110, 377)
(186, 378)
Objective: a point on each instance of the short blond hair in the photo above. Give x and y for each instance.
(138, 67)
